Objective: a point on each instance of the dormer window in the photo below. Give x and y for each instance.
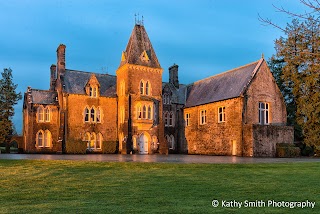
(93, 91)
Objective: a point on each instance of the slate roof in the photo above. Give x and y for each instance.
(43, 97)
(138, 43)
(223, 86)
(75, 82)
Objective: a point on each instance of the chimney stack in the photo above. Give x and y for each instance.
(53, 77)
(173, 75)
(61, 60)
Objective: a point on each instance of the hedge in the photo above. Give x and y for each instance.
(76, 147)
(110, 147)
(287, 150)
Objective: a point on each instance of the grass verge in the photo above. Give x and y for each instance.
(98, 187)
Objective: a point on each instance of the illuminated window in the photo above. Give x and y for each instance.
(221, 114)
(203, 117)
(47, 138)
(94, 141)
(264, 116)
(187, 119)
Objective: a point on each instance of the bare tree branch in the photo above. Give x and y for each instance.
(269, 22)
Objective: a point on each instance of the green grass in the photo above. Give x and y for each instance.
(99, 187)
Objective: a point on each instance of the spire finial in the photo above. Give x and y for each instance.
(137, 20)
(262, 56)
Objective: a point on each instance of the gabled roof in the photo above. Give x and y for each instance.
(139, 49)
(43, 97)
(223, 86)
(75, 82)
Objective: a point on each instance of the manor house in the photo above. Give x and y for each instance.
(239, 112)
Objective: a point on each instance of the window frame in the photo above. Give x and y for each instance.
(203, 117)
(187, 119)
(264, 113)
(221, 114)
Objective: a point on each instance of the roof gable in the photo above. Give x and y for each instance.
(75, 82)
(223, 86)
(43, 97)
(139, 50)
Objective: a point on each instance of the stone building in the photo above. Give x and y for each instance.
(240, 112)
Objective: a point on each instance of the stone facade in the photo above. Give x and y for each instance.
(240, 112)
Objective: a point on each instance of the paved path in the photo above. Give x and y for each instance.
(156, 158)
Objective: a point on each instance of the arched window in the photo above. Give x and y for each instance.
(47, 114)
(147, 88)
(164, 99)
(47, 138)
(99, 141)
(144, 112)
(98, 115)
(141, 87)
(92, 115)
(39, 138)
(40, 112)
(139, 115)
(171, 121)
(87, 139)
(166, 122)
(149, 113)
(92, 140)
(86, 115)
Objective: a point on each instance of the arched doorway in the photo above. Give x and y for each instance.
(143, 144)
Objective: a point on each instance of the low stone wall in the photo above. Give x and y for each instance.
(264, 138)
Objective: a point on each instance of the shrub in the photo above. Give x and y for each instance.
(76, 146)
(287, 150)
(110, 147)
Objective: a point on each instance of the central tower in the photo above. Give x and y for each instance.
(139, 87)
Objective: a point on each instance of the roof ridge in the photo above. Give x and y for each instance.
(216, 75)
(34, 89)
(90, 72)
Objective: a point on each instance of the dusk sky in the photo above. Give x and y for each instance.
(204, 37)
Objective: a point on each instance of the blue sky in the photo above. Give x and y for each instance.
(204, 37)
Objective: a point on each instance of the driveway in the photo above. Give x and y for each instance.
(156, 158)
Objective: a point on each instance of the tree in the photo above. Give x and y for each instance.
(8, 98)
(300, 52)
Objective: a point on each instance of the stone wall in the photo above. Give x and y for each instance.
(215, 138)
(76, 127)
(263, 88)
(32, 126)
(264, 138)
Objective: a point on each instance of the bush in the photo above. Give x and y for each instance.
(110, 147)
(287, 150)
(76, 147)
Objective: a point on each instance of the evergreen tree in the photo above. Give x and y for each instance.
(300, 52)
(8, 98)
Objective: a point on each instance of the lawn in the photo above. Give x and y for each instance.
(99, 187)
